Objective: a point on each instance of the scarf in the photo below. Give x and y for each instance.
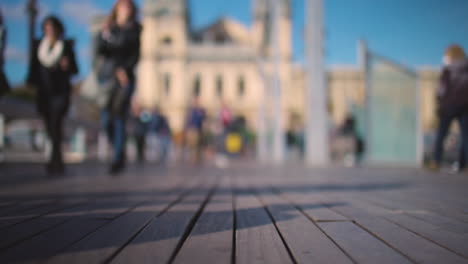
(50, 56)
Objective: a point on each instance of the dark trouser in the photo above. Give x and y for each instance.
(141, 147)
(445, 120)
(53, 119)
(4, 86)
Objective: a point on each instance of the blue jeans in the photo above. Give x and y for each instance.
(114, 122)
(116, 133)
(165, 144)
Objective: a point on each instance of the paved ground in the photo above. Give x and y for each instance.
(241, 215)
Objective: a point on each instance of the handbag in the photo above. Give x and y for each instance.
(100, 84)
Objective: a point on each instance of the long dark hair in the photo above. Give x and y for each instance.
(56, 24)
(113, 15)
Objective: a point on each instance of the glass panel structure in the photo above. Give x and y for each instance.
(393, 129)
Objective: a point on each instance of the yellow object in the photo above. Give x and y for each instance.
(233, 143)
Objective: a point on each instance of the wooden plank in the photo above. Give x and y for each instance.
(257, 240)
(24, 207)
(307, 242)
(449, 240)
(159, 240)
(212, 235)
(48, 244)
(447, 219)
(31, 235)
(360, 245)
(18, 233)
(102, 244)
(415, 247)
(315, 208)
(453, 242)
(8, 221)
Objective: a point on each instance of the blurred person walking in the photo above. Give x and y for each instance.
(193, 138)
(452, 97)
(118, 48)
(4, 86)
(51, 67)
(160, 127)
(141, 123)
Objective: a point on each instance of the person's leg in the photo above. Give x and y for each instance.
(141, 147)
(165, 145)
(55, 121)
(444, 126)
(119, 140)
(463, 154)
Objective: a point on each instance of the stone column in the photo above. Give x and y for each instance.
(276, 89)
(317, 138)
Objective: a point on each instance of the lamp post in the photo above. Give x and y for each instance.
(32, 12)
(317, 144)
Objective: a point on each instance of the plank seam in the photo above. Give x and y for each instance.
(427, 238)
(374, 235)
(145, 225)
(270, 215)
(17, 242)
(45, 214)
(292, 203)
(191, 225)
(385, 242)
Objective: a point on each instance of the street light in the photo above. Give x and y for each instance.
(32, 11)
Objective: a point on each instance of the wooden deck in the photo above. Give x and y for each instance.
(240, 215)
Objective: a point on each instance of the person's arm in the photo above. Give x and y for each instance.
(444, 85)
(32, 76)
(133, 49)
(3, 36)
(71, 67)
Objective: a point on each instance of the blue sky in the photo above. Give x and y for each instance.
(412, 32)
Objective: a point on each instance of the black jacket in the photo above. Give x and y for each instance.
(453, 90)
(51, 82)
(121, 47)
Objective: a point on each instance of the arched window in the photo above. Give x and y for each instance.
(219, 86)
(197, 86)
(166, 41)
(241, 87)
(167, 84)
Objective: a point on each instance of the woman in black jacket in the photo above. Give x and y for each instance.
(51, 68)
(118, 48)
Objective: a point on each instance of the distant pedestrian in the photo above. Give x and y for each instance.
(452, 97)
(225, 116)
(51, 68)
(160, 127)
(350, 129)
(4, 86)
(118, 48)
(141, 124)
(196, 117)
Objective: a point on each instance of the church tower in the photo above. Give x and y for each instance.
(164, 45)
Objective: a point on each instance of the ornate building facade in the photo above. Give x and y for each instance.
(227, 62)
(219, 63)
